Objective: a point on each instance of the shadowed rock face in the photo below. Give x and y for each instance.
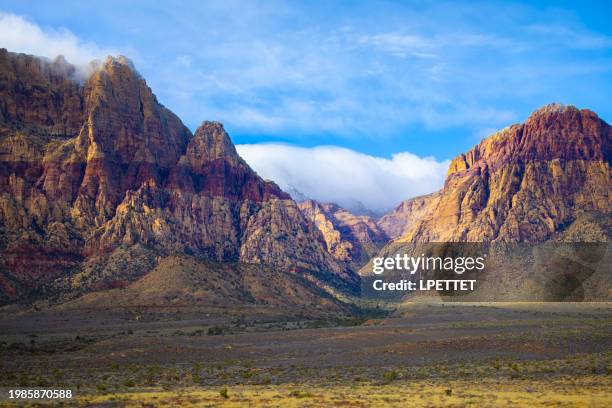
(350, 238)
(525, 183)
(88, 168)
(47, 102)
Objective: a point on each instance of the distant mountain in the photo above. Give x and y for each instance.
(358, 208)
(526, 183)
(99, 183)
(351, 239)
(355, 207)
(405, 215)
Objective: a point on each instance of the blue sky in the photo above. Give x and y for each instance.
(378, 78)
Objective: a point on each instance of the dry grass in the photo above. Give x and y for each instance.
(587, 391)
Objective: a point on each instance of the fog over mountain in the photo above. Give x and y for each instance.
(351, 179)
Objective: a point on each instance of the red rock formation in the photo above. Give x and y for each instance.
(88, 169)
(350, 238)
(527, 182)
(398, 221)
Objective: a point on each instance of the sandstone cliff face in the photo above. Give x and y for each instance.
(350, 238)
(405, 215)
(539, 195)
(90, 169)
(47, 102)
(525, 183)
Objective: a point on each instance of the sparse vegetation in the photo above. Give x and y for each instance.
(301, 394)
(373, 360)
(216, 330)
(390, 376)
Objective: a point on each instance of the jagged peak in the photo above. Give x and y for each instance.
(210, 140)
(211, 126)
(116, 65)
(548, 109)
(213, 130)
(111, 60)
(559, 109)
(554, 107)
(57, 66)
(552, 131)
(117, 78)
(312, 204)
(545, 110)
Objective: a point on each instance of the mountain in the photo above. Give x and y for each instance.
(534, 200)
(352, 239)
(526, 183)
(182, 281)
(406, 214)
(99, 183)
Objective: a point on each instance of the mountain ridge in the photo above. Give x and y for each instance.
(132, 178)
(351, 239)
(523, 183)
(99, 183)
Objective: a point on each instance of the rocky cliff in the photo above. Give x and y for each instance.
(525, 183)
(535, 199)
(351, 239)
(99, 181)
(397, 222)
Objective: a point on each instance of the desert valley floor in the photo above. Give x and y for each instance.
(423, 353)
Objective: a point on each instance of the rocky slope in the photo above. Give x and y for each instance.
(181, 280)
(405, 215)
(525, 183)
(538, 196)
(99, 182)
(352, 239)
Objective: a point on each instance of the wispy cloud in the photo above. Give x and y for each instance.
(571, 38)
(364, 81)
(364, 75)
(19, 34)
(434, 46)
(400, 44)
(346, 177)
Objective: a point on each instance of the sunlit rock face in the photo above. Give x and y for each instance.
(528, 182)
(398, 221)
(351, 239)
(90, 167)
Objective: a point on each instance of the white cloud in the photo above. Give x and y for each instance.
(344, 176)
(18, 34)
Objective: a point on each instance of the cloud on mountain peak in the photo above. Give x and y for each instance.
(344, 176)
(19, 34)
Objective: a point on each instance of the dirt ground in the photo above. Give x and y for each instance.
(425, 354)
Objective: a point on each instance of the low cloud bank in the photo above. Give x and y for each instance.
(351, 179)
